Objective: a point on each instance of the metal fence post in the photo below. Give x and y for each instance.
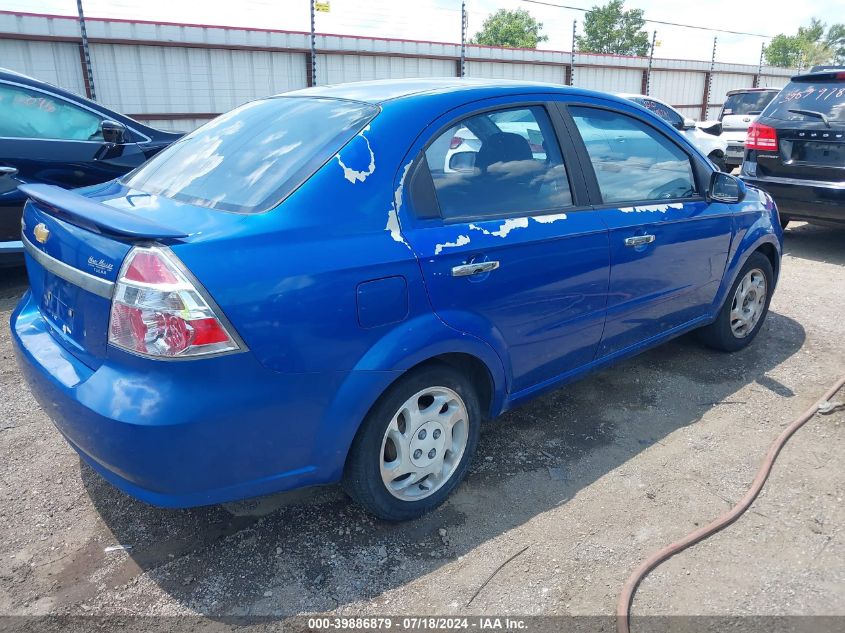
(313, 46)
(463, 69)
(86, 53)
(572, 53)
(758, 76)
(705, 107)
(650, 62)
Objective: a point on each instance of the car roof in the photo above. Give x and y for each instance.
(381, 90)
(26, 80)
(741, 90)
(32, 82)
(631, 95)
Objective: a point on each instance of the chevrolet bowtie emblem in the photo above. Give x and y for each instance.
(41, 232)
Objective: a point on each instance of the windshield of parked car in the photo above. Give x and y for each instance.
(824, 97)
(747, 102)
(251, 158)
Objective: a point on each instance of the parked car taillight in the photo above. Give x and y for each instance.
(761, 137)
(157, 311)
(455, 143)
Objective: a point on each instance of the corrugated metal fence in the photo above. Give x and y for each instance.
(178, 76)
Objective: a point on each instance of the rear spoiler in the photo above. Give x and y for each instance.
(96, 216)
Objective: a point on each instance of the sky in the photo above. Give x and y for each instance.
(439, 20)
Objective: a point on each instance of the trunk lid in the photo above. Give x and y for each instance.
(809, 119)
(75, 246)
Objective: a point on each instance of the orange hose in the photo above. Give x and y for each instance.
(623, 605)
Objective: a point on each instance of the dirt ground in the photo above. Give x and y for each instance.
(590, 479)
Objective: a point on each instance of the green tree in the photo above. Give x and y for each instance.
(611, 29)
(835, 39)
(814, 44)
(514, 29)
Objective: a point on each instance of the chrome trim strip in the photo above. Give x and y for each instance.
(778, 180)
(101, 287)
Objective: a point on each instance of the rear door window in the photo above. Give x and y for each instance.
(632, 161)
(251, 158)
(824, 97)
(33, 114)
(500, 163)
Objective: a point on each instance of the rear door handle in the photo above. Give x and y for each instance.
(639, 240)
(474, 269)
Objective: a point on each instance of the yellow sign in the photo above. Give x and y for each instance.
(323, 7)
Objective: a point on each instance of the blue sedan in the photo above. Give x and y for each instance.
(305, 290)
(49, 135)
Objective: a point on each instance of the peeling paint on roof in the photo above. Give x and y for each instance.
(354, 175)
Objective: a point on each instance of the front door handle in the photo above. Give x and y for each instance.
(639, 240)
(477, 268)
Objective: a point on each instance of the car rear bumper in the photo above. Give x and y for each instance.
(734, 153)
(188, 433)
(804, 199)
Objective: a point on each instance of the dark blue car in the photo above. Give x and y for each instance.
(48, 135)
(317, 287)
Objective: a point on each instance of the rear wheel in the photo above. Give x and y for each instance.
(415, 445)
(745, 307)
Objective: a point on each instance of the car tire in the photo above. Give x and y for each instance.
(744, 311)
(402, 433)
(720, 163)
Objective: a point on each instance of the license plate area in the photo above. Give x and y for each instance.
(58, 305)
(819, 153)
(77, 319)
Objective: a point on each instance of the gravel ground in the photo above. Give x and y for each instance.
(583, 483)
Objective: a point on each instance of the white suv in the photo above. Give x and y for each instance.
(741, 109)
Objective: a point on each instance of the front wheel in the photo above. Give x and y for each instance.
(745, 307)
(415, 445)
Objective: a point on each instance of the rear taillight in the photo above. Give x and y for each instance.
(157, 310)
(455, 143)
(761, 137)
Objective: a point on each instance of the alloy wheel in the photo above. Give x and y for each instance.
(749, 303)
(424, 443)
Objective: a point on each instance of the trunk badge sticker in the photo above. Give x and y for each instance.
(41, 232)
(100, 266)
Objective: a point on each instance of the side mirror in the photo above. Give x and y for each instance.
(462, 161)
(688, 124)
(726, 188)
(113, 132)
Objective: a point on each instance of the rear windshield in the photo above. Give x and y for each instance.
(824, 97)
(747, 102)
(248, 160)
